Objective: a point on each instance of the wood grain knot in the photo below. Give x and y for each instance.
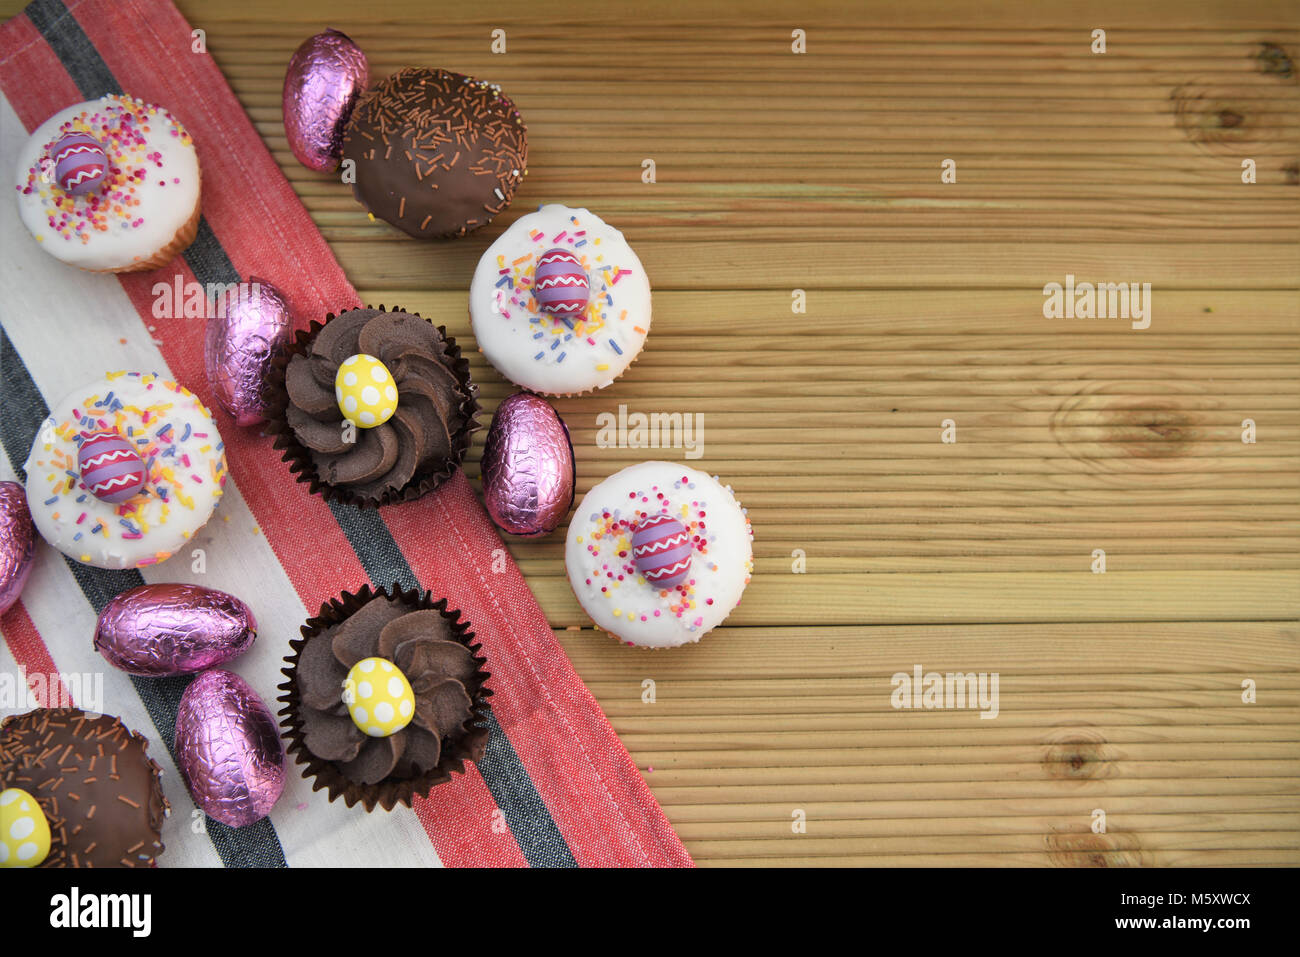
(1086, 849)
(1078, 754)
(1221, 117)
(1218, 120)
(1272, 60)
(1129, 432)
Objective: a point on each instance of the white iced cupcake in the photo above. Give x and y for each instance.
(124, 471)
(659, 554)
(110, 185)
(560, 303)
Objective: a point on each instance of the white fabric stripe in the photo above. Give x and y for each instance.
(73, 337)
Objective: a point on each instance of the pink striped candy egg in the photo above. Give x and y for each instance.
(79, 163)
(560, 284)
(661, 549)
(110, 468)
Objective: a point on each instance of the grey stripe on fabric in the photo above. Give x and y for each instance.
(528, 818)
(73, 48)
(256, 845)
(526, 814)
(207, 259)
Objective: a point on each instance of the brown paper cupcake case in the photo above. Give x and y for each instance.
(387, 793)
(176, 245)
(299, 458)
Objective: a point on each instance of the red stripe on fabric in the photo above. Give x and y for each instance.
(33, 657)
(470, 827)
(27, 56)
(247, 199)
(576, 761)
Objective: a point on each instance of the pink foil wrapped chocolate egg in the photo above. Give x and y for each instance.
(527, 465)
(111, 468)
(17, 543)
(80, 163)
(228, 749)
(240, 347)
(321, 86)
(560, 284)
(173, 629)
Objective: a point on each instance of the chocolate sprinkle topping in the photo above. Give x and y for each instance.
(42, 750)
(437, 154)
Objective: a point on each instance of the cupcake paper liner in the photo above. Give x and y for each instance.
(178, 244)
(299, 457)
(390, 792)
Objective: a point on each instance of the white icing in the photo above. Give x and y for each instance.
(720, 574)
(168, 194)
(507, 332)
(66, 513)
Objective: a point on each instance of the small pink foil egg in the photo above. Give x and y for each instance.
(17, 543)
(228, 749)
(527, 466)
(173, 629)
(111, 468)
(80, 163)
(560, 284)
(321, 86)
(240, 346)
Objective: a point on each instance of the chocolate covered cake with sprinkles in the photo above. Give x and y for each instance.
(98, 790)
(437, 154)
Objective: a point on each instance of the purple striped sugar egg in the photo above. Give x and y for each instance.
(110, 468)
(80, 163)
(661, 549)
(560, 284)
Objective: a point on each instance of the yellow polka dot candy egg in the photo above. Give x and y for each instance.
(365, 390)
(24, 832)
(378, 697)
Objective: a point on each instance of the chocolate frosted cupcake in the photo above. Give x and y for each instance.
(96, 786)
(375, 407)
(385, 697)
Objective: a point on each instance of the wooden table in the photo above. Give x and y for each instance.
(1120, 692)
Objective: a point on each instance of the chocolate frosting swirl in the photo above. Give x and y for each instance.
(439, 668)
(431, 405)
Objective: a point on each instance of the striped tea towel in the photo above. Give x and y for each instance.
(556, 787)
